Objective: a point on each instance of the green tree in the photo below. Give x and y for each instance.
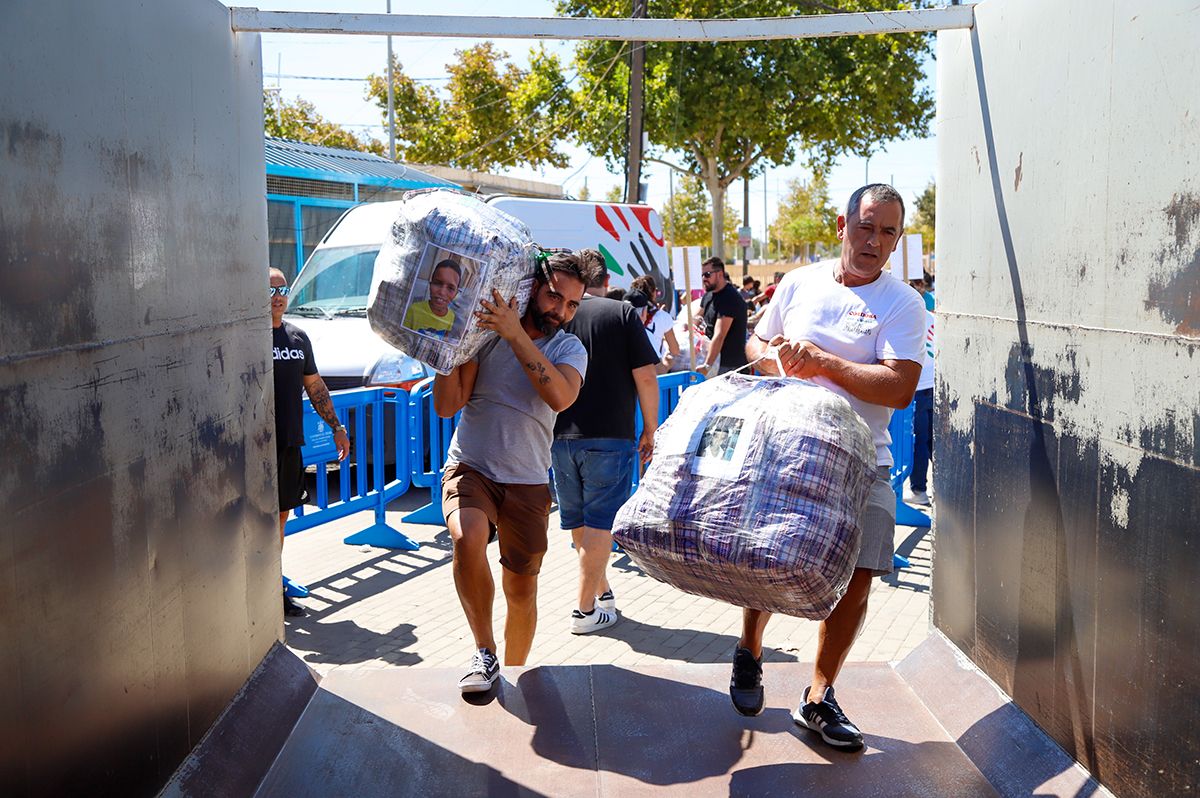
(299, 121)
(721, 111)
(806, 217)
(687, 221)
(924, 219)
(615, 194)
(491, 114)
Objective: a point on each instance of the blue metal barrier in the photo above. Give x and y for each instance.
(430, 443)
(901, 430)
(374, 417)
(670, 388)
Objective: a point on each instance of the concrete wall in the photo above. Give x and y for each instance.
(1067, 554)
(139, 558)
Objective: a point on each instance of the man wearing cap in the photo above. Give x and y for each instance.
(594, 452)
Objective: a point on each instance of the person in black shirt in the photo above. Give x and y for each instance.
(593, 453)
(295, 368)
(724, 313)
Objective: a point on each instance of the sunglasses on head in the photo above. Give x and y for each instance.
(282, 290)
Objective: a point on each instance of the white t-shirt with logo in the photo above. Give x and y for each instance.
(883, 320)
(926, 381)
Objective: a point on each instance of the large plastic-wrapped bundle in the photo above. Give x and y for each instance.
(754, 495)
(446, 251)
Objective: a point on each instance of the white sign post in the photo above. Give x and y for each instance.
(906, 261)
(687, 260)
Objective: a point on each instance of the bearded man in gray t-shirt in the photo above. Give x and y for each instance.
(496, 475)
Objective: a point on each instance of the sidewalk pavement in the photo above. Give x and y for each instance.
(374, 607)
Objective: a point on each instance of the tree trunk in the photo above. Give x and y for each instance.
(717, 192)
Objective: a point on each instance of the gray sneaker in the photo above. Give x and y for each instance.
(919, 497)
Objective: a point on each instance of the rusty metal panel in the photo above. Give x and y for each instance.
(1069, 373)
(139, 559)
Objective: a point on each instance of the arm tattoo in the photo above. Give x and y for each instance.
(539, 369)
(318, 394)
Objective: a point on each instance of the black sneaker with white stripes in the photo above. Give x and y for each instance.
(827, 719)
(745, 683)
(484, 671)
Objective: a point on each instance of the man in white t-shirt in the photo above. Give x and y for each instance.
(850, 326)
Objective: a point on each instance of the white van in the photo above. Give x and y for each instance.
(329, 295)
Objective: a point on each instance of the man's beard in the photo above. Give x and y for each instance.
(545, 323)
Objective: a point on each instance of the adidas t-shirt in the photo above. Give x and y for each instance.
(293, 358)
(883, 320)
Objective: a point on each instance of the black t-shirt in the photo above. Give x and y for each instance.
(727, 302)
(293, 356)
(616, 344)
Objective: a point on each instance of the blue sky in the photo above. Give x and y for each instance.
(911, 165)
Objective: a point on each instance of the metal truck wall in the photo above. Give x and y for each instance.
(1067, 555)
(139, 560)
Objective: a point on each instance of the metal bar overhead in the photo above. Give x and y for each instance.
(646, 30)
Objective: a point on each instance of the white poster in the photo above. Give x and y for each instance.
(690, 255)
(905, 261)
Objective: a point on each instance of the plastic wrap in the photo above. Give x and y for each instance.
(754, 495)
(445, 251)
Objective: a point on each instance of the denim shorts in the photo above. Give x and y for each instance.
(593, 477)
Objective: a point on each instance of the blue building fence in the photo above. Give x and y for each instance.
(400, 441)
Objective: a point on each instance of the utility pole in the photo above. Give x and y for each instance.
(637, 66)
(766, 226)
(391, 98)
(746, 223)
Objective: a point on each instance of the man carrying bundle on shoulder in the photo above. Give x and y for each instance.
(846, 325)
(496, 474)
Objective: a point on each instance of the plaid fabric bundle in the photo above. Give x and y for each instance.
(491, 249)
(754, 496)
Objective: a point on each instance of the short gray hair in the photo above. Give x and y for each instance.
(876, 192)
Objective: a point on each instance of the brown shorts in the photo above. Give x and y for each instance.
(519, 513)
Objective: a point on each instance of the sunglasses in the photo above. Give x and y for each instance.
(708, 274)
(282, 290)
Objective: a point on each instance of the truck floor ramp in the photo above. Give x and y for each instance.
(602, 730)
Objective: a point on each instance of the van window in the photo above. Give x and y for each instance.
(334, 279)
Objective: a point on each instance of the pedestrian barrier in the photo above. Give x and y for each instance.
(901, 430)
(377, 420)
(383, 421)
(670, 388)
(430, 443)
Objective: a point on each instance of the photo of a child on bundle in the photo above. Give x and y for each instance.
(450, 282)
(720, 438)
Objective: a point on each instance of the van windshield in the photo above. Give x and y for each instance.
(335, 280)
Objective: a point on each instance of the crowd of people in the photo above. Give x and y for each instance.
(560, 385)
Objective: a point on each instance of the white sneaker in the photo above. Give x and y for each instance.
(598, 618)
(606, 601)
(484, 671)
(919, 497)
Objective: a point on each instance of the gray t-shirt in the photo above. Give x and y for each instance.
(506, 428)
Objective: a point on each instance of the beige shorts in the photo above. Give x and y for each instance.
(879, 526)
